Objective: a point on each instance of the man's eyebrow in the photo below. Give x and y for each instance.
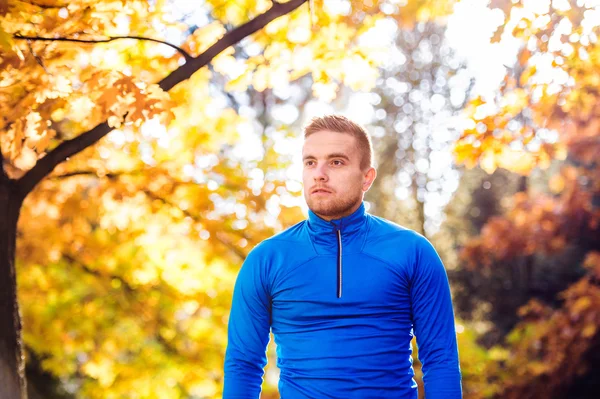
(334, 155)
(338, 155)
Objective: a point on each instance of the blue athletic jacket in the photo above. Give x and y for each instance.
(343, 300)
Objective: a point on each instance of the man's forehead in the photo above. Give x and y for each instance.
(326, 142)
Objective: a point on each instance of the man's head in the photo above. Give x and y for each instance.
(337, 157)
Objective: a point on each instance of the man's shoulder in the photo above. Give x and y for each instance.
(293, 238)
(381, 228)
(389, 240)
(294, 234)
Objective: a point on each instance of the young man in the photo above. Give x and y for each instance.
(343, 292)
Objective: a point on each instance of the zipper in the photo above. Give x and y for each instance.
(339, 264)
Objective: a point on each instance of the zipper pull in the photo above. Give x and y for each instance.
(339, 264)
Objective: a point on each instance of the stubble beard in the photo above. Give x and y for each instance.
(333, 208)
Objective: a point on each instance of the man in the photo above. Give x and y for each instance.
(343, 292)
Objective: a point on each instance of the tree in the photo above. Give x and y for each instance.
(72, 75)
(478, 295)
(545, 111)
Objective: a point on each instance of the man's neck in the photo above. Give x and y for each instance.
(341, 215)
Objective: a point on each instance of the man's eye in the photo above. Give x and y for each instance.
(337, 162)
(309, 163)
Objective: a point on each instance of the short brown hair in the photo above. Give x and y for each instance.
(341, 124)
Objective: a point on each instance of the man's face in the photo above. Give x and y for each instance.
(334, 183)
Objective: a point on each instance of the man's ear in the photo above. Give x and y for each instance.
(369, 178)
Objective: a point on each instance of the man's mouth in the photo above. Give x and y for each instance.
(320, 191)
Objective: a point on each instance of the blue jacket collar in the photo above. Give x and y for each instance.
(347, 224)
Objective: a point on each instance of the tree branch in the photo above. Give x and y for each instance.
(3, 175)
(37, 58)
(231, 38)
(43, 6)
(97, 273)
(135, 172)
(93, 173)
(185, 54)
(71, 147)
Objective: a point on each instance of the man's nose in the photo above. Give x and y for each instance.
(320, 173)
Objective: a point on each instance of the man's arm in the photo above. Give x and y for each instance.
(248, 332)
(433, 320)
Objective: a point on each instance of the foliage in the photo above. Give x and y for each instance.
(554, 342)
(489, 295)
(546, 110)
(473, 359)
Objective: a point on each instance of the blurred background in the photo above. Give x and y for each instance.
(485, 121)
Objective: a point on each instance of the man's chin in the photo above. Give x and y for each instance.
(326, 209)
(320, 210)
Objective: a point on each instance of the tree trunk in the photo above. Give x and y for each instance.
(12, 364)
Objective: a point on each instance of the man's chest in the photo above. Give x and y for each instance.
(370, 289)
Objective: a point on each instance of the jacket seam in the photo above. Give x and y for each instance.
(366, 235)
(307, 232)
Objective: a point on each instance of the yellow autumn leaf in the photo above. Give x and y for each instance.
(8, 44)
(26, 159)
(556, 184)
(589, 331)
(520, 162)
(581, 304)
(488, 162)
(261, 78)
(325, 91)
(80, 108)
(515, 101)
(205, 36)
(240, 83)
(499, 353)
(101, 369)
